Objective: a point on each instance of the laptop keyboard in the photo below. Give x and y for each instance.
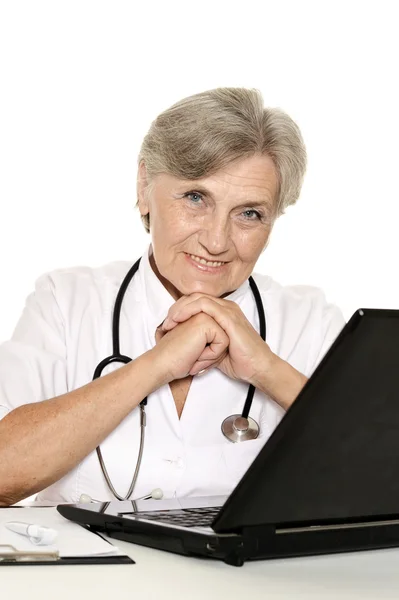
(186, 517)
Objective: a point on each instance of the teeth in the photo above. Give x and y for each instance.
(206, 262)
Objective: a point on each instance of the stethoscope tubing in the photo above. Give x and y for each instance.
(262, 333)
(118, 357)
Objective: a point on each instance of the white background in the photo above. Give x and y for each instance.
(82, 80)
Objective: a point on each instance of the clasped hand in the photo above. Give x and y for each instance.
(229, 341)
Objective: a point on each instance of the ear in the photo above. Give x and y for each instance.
(141, 186)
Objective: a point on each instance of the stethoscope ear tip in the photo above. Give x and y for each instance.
(237, 428)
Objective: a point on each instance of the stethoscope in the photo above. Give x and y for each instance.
(236, 428)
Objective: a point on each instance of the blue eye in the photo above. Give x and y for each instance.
(255, 212)
(193, 194)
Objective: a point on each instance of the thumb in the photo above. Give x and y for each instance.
(159, 333)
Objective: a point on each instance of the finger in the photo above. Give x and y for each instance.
(170, 321)
(200, 367)
(183, 312)
(169, 324)
(222, 313)
(177, 306)
(207, 361)
(210, 354)
(216, 339)
(159, 334)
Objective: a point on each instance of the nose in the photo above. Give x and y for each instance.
(215, 234)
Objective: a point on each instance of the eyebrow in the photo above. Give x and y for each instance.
(263, 203)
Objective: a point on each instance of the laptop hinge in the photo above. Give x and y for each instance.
(251, 537)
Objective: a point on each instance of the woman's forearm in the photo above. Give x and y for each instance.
(42, 441)
(279, 380)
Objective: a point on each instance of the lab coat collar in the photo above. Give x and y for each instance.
(159, 300)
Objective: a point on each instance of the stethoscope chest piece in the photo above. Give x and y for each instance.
(240, 429)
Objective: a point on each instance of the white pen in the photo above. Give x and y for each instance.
(37, 534)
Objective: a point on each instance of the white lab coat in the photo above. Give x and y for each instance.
(65, 331)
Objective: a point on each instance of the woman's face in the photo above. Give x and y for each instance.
(207, 234)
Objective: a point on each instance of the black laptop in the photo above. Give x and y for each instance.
(327, 480)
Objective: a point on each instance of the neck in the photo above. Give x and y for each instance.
(174, 292)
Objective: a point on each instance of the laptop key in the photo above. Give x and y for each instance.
(188, 517)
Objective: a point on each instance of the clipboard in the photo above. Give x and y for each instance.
(75, 544)
(9, 556)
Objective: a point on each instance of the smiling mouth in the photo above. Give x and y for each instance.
(203, 261)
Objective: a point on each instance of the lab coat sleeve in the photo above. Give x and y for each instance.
(33, 361)
(332, 322)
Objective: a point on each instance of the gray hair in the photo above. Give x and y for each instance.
(203, 133)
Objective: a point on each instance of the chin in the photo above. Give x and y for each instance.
(209, 290)
(185, 289)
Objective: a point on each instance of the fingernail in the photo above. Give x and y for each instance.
(201, 372)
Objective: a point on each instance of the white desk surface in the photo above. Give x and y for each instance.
(161, 575)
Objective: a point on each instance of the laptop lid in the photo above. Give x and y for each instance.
(335, 455)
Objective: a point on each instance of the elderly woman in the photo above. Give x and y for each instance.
(215, 171)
